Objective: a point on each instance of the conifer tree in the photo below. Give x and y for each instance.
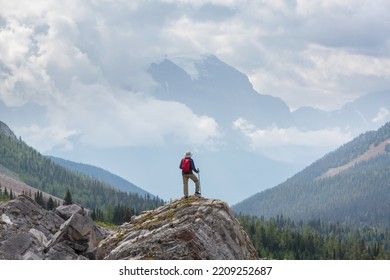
(50, 204)
(68, 198)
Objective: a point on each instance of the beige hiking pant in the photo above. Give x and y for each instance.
(185, 183)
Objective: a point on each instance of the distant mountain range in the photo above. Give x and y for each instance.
(211, 87)
(255, 145)
(219, 91)
(351, 184)
(101, 174)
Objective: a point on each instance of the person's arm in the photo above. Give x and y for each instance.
(193, 166)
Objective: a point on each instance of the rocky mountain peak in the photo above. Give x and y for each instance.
(5, 130)
(193, 228)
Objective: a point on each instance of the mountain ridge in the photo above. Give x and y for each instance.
(6, 131)
(33, 169)
(241, 123)
(204, 82)
(101, 174)
(358, 195)
(218, 89)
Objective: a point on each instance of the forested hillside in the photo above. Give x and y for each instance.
(359, 194)
(100, 174)
(31, 167)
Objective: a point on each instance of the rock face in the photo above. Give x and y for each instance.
(193, 228)
(27, 231)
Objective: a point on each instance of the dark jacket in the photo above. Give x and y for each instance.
(193, 168)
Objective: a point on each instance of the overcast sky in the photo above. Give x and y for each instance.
(76, 58)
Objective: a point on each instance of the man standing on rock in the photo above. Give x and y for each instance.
(187, 165)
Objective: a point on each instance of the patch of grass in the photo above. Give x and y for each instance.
(106, 225)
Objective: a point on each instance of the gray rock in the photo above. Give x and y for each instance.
(66, 211)
(29, 232)
(16, 245)
(193, 228)
(79, 232)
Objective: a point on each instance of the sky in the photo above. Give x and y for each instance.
(83, 63)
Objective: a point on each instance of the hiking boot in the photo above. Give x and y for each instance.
(197, 193)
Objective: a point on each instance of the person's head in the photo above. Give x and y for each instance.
(187, 155)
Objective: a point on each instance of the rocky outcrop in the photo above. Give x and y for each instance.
(27, 231)
(193, 228)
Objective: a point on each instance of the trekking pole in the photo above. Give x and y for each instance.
(200, 188)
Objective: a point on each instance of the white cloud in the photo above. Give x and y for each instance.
(71, 56)
(289, 49)
(47, 138)
(283, 143)
(382, 116)
(98, 117)
(325, 78)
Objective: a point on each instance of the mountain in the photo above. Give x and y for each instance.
(218, 90)
(102, 175)
(252, 139)
(39, 172)
(12, 184)
(262, 141)
(350, 184)
(6, 131)
(362, 114)
(211, 87)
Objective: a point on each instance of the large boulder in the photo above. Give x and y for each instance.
(27, 231)
(78, 232)
(192, 228)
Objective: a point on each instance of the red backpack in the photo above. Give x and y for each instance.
(186, 165)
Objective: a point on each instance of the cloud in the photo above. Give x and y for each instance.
(284, 143)
(47, 138)
(70, 56)
(382, 116)
(96, 116)
(325, 77)
(87, 63)
(290, 49)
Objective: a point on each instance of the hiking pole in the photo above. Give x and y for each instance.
(200, 188)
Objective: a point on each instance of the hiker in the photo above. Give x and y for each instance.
(187, 165)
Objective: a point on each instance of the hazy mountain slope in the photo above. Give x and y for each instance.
(362, 114)
(357, 194)
(18, 187)
(210, 86)
(266, 127)
(6, 131)
(218, 90)
(41, 173)
(100, 174)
